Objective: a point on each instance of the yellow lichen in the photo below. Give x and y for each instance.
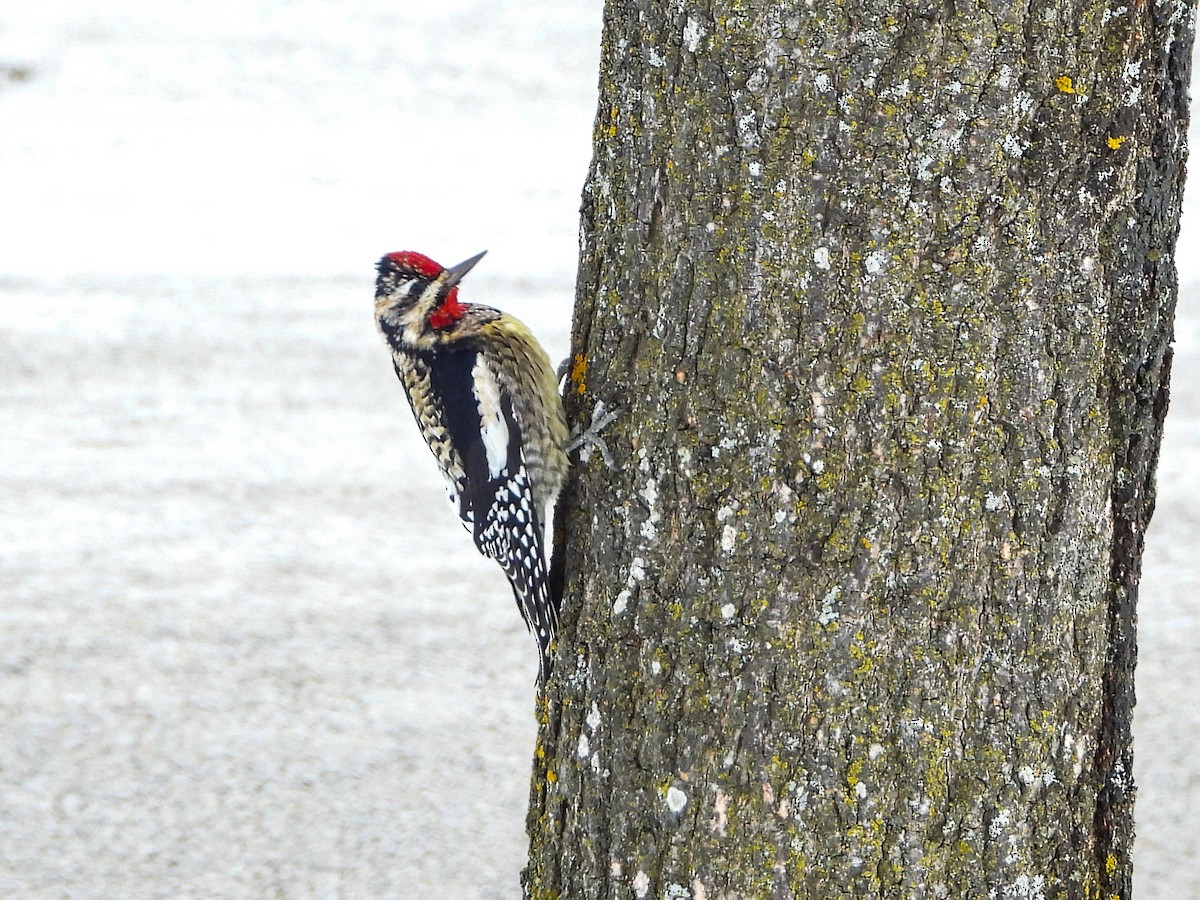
(1114, 143)
(1065, 84)
(578, 372)
(861, 653)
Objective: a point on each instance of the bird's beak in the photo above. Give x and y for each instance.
(454, 274)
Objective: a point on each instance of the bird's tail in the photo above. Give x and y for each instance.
(541, 616)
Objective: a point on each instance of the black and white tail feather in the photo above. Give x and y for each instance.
(510, 533)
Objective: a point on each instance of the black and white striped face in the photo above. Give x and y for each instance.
(406, 287)
(404, 276)
(416, 297)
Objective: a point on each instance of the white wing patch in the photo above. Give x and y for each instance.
(495, 429)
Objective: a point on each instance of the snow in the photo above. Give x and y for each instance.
(234, 658)
(245, 647)
(275, 138)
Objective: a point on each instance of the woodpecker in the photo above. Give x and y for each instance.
(486, 399)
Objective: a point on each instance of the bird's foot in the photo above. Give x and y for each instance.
(585, 439)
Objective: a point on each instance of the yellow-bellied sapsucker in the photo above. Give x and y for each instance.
(486, 399)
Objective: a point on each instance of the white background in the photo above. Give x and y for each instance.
(245, 648)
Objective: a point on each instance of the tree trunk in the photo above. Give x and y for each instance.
(885, 294)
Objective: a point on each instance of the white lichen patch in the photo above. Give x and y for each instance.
(728, 611)
(1032, 778)
(821, 258)
(584, 748)
(728, 538)
(726, 443)
(637, 572)
(693, 33)
(637, 569)
(1024, 104)
(747, 131)
(650, 494)
(875, 261)
(1132, 75)
(1110, 14)
(685, 461)
(1013, 145)
(676, 799)
(828, 614)
(999, 824)
(593, 718)
(916, 728)
(641, 884)
(1026, 887)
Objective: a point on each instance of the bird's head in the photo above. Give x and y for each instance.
(414, 294)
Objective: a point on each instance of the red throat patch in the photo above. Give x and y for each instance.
(449, 312)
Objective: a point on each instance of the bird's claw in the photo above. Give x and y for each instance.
(584, 439)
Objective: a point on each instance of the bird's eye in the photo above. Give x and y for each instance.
(406, 290)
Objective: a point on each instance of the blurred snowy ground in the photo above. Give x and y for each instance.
(245, 649)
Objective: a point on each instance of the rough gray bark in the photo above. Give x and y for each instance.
(885, 291)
